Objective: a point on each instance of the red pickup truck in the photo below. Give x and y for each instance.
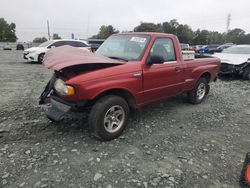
(127, 72)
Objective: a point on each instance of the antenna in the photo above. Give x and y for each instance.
(228, 22)
(48, 29)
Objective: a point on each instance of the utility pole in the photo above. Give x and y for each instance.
(228, 26)
(228, 22)
(48, 29)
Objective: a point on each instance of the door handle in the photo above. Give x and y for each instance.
(137, 74)
(178, 69)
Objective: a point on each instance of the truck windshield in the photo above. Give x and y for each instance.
(125, 47)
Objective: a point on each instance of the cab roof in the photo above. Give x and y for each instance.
(147, 33)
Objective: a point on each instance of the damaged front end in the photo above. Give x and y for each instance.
(58, 106)
(227, 68)
(57, 90)
(67, 63)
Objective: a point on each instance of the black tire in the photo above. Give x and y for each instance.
(199, 93)
(246, 73)
(40, 58)
(105, 108)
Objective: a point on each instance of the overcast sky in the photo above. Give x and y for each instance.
(84, 17)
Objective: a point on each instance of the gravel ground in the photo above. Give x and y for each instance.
(168, 144)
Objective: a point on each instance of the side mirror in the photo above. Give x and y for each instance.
(155, 59)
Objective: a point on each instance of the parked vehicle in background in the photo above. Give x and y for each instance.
(222, 47)
(235, 60)
(208, 49)
(192, 48)
(37, 53)
(197, 47)
(95, 43)
(127, 72)
(19, 47)
(7, 47)
(184, 46)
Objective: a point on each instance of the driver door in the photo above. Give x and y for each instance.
(162, 80)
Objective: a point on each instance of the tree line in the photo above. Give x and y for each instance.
(44, 39)
(7, 31)
(183, 31)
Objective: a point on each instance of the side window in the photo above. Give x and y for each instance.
(80, 44)
(57, 44)
(70, 43)
(75, 44)
(163, 47)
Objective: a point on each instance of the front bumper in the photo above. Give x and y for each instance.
(59, 106)
(228, 69)
(58, 109)
(232, 69)
(29, 56)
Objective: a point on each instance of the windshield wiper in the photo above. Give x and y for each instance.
(118, 58)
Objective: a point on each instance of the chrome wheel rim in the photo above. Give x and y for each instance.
(114, 119)
(201, 91)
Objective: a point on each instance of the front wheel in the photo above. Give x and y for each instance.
(108, 117)
(199, 93)
(40, 58)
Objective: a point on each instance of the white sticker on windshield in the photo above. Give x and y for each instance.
(138, 39)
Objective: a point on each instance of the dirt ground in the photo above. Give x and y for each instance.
(168, 144)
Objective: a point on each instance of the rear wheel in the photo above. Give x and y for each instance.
(199, 93)
(246, 73)
(108, 117)
(40, 58)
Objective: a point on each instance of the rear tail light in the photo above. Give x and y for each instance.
(245, 174)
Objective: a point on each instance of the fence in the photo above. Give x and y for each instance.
(14, 44)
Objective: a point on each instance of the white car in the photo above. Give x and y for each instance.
(235, 60)
(36, 53)
(7, 47)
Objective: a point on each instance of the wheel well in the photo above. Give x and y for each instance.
(207, 76)
(247, 65)
(43, 53)
(119, 92)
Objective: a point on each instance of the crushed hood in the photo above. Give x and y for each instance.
(233, 59)
(67, 56)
